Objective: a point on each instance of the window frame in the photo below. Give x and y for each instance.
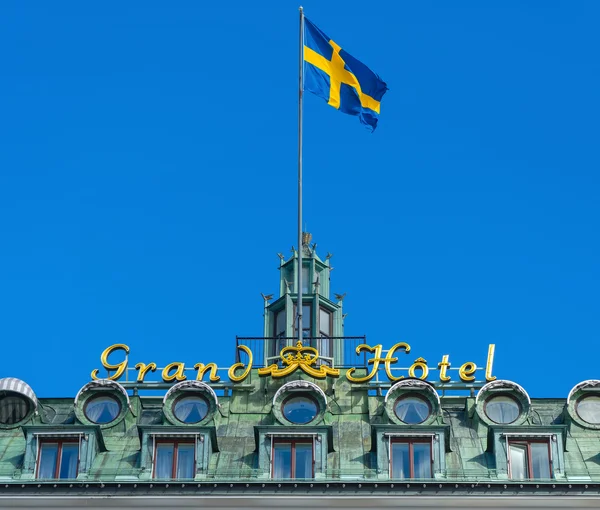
(59, 460)
(411, 441)
(175, 441)
(280, 337)
(293, 441)
(276, 314)
(576, 408)
(524, 441)
(322, 333)
(6, 395)
(325, 337)
(321, 436)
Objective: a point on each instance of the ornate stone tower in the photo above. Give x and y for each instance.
(323, 321)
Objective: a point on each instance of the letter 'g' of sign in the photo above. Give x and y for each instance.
(119, 367)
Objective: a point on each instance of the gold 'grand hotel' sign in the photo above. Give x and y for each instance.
(300, 358)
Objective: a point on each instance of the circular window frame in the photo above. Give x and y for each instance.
(11, 386)
(30, 408)
(507, 395)
(189, 389)
(299, 389)
(188, 394)
(579, 400)
(417, 388)
(101, 387)
(503, 388)
(589, 388)
(305, 395)
(99, 394)
(417, 396)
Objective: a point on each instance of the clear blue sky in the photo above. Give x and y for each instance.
(148, 179)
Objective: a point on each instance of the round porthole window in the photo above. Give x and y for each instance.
(300, 409)
(102, 409)
(13, 409)
(191, 408)
(588, 409)
(412, 409)
(502, 409)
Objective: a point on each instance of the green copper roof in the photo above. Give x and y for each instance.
(352, 421)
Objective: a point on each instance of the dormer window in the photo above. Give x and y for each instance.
(411, 458)
(175, 459)
(293, 458)
(529, 459)
(190, 403)
(102, 402)
(412, 402)
(58, 459)
(583, 404)
(502, 402)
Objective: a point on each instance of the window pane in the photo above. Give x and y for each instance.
(280, 344)
(282, 460)
(306, 320)
(300, 409)
(324, 348)
(324, 343)
(48, 458)
(102, 409)
(280, 323)
(518, 461)
(13, 409)
(588, 409)
(502, 409)
(68, 461)
(164, 461)
(324, 322)
(304, 460)
(412, 409)
(422, 458)
(400, 460)
(305, 282)
(185, 461)
(191, 409)
(540, 460)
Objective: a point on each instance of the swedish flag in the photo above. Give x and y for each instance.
(340, 79)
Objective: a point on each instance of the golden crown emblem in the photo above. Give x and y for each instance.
(304, 355)
(299, 357)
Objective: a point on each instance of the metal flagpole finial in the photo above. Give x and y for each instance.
(301, 8)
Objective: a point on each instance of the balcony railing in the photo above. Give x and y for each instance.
(337, 351)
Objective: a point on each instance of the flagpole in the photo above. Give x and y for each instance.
(300, 99)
